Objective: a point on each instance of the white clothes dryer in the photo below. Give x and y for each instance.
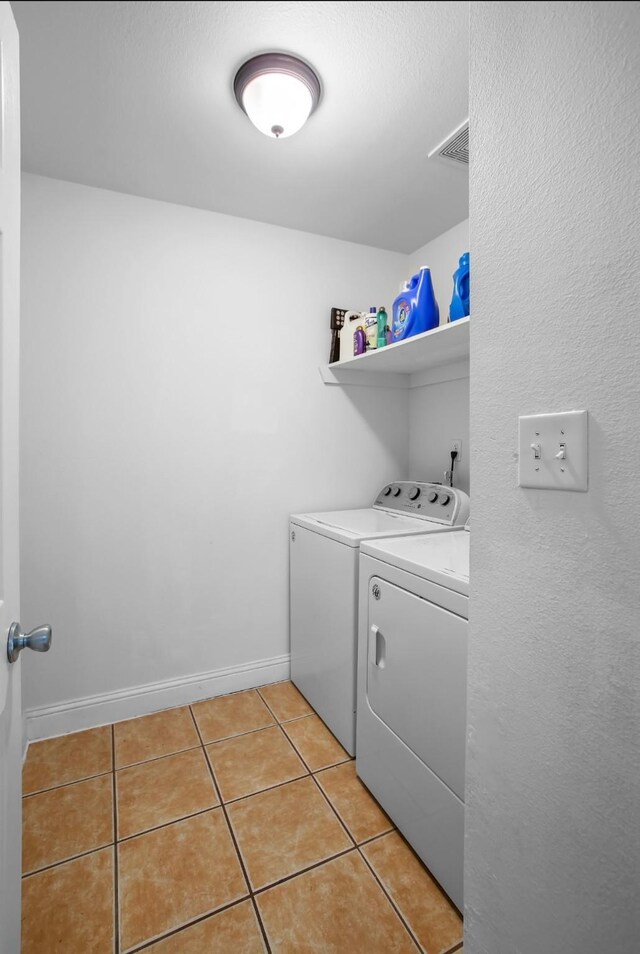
(412, 688)
(324, 552)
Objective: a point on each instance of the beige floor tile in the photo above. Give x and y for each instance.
(317, 746)
(151, 736)
(336, 908)
(66, 821)
(231, 715)
(234, 931)
(66, 759)
(285, 701)
(250, 763)
(357, 808)
(429, 914)
(175, 874)
(164, 790)
(70, 908)
(285, 830)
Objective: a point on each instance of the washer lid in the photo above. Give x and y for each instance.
(352, 526)
(442, 558)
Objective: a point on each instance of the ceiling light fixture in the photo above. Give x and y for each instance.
(278, 92)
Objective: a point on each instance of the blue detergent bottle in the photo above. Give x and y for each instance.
(415, 309)
(459, 307)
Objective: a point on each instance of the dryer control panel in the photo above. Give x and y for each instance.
(435, 502)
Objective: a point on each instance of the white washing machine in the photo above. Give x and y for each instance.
(412, 690)
(324, 552)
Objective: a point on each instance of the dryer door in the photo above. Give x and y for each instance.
(417, 677)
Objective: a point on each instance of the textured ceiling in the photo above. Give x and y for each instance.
(137, 97)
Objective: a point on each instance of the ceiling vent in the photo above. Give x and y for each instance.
(455, 148)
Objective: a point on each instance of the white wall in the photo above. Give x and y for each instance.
(553, 798)
(172, 417)
(439, 412)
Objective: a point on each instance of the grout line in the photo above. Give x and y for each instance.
(239, 735)
(294, 874)
(233, 837)
(358, 848)
(174, 821)
(316, 864)
(239, 798)
(335, 811)
(269, 788)
(396, 831)
(297, 751)
(156, 758)
(269, 707)
(324, 795)
(116, 885)
(433, 878)
(236, 692)
(299, 718)
(321, 768)
(300, 756)
(73, 781)
(392, 902)
(357, 843)
(273, 712)
(64, 861)
(381, 834)
(144, 945)
(263, 930)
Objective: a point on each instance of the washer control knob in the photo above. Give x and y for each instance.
(432, 497)
(387, 490)
(397, 491)
(444, 500)
(414, 493)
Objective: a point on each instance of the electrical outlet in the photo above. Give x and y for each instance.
(456, 445)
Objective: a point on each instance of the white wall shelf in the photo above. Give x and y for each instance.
(419, 360)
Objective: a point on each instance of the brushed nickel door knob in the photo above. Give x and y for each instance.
(39, 639)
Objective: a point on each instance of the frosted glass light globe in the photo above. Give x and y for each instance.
(277, 104)
(278, 92)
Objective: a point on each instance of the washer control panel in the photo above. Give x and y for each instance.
(446, 505)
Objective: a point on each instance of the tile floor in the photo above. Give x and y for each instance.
(233, 825)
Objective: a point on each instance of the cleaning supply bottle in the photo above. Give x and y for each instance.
(459, 307)
(382, 327)
(371, 328)
(359, 341)
(415, 309)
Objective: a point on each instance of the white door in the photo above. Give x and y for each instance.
(10, 704)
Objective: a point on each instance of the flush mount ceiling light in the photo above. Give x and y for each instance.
(278, 92)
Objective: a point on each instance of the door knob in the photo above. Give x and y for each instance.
(38, 639)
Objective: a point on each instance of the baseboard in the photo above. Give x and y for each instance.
(77, 714)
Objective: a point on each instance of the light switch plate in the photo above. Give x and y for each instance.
(547, 435)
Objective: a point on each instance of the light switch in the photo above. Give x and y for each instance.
(554, 451)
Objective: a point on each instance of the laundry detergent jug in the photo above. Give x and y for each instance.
(415, 309)
(459, 307)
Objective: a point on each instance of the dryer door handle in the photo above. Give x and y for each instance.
(377, 648)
